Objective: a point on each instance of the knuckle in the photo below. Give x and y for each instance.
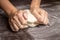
(21, 26)
(41, 21)
(24, 23)
(18, 14)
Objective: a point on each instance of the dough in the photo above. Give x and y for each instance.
(31, 19)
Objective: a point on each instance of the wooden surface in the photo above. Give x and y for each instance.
(41, 32)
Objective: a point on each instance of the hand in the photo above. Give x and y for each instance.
(41, 15)
(18, 20)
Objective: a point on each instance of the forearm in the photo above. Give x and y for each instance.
(35, 3)
(7, 6)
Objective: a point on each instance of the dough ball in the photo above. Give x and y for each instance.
(30, 19)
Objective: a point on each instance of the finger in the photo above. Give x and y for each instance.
(25, 15)
(14, 25)
(18, 22)
(38, 17)
(24, 26)
(37, 22)
(21, 18)
(44, 15)
(46, 19)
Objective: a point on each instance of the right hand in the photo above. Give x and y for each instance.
(41, 15)
(18, 20)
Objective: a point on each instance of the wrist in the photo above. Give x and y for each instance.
(12, 12)
(33, 8)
